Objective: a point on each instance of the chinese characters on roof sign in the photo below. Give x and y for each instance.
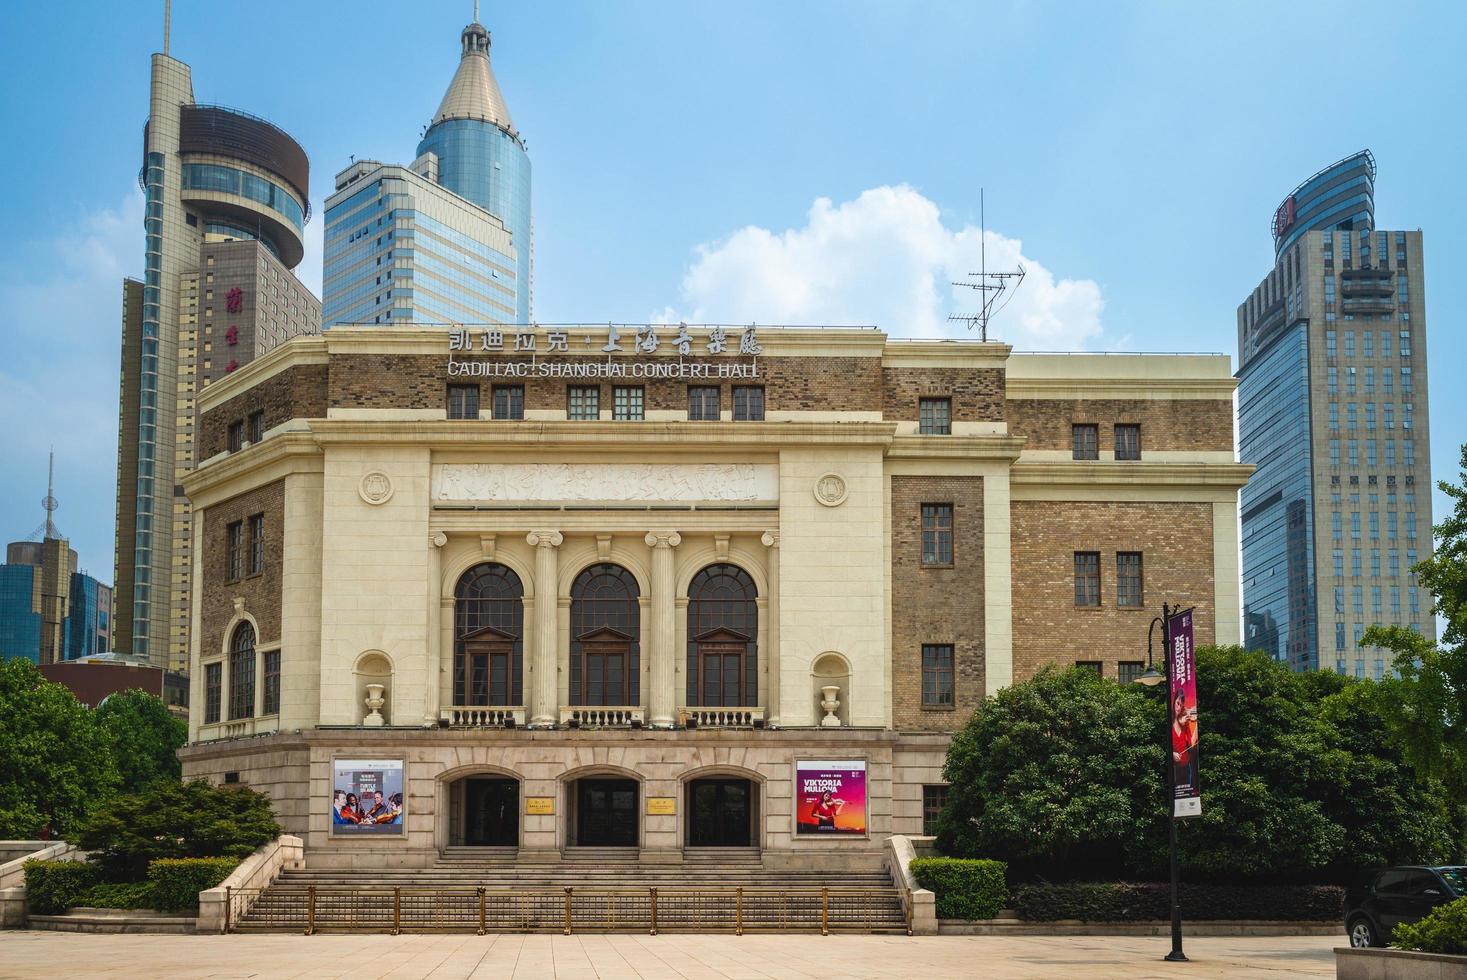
(651, 347)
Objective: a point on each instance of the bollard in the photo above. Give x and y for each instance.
(909, 911)
(228, 904)
(310, 910)
(482, 930)
(654, 911)
(738, 911)
(824, 911)
(396, 911)
(567, 911)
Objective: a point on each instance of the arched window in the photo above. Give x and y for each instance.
(723, 638)
(242, 672)
(605, 628)
(488, 630)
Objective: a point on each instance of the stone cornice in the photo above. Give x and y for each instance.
(1121, 389)
(1127, 473)
(296, 351)
(956, 447)
(274, 459)
(604, 437)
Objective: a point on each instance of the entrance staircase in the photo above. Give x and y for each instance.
(467, 892)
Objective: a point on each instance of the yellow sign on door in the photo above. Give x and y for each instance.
(661, 806)
(540, 805)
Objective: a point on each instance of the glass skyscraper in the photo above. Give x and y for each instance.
(447, 239)
(1332, 410)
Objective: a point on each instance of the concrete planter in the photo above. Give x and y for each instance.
(1009, 925)
(114, 921)
(1397, 964)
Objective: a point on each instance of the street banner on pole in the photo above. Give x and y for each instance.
(1181, 663)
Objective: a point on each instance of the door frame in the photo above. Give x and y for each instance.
(758, 829)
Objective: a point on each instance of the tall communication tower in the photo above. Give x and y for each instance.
(991, 286)
(49, 502)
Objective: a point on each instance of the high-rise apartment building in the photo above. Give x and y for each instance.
(448, 238)
(226, 199)
(1332, 410)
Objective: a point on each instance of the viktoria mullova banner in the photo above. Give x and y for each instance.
(367, 796)
(1182, 677)
(830, 798)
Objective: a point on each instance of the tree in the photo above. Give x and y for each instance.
(55, 761)
(171, 820)
(1424, 706)
(1444, 574)
(145, 738)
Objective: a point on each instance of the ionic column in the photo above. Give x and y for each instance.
(433, 645)
(770, 540)
(544, 711)
(663, 699)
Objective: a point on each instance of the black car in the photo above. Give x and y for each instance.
(1397, 895)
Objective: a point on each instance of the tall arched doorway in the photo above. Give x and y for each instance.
(488, 630)
(484, 811)
(723, 638)
(605, 665)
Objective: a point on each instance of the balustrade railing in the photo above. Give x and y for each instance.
(607, 716)
(482, 716)
(726, 717)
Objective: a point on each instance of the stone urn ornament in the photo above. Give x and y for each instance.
(375, 701)
(830, 704)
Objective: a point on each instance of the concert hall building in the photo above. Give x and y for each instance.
(666, 589)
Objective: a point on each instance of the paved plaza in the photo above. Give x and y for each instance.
(804, 957)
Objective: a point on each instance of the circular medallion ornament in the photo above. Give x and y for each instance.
(375, 488)
(830, 490)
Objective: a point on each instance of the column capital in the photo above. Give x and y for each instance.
(663, 539)
(544, 539)
(770, 538)
(437, 539)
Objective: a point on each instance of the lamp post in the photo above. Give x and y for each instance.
(1150, 678)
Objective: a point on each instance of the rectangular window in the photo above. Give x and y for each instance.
(937, 675)
(1333, 378)
(1352, 450)
(272, 683)
(1350, 380)
(1370, 452)
(256, 426)
(509, 402)
(1374, 561)
(583, 403)
(626, 403)
(1370, 415)
(1339, 562)
(1128, 671)
(748, 403)
(1405, 380)
(1355, 562)
(1350, 417)
(1087, 578)
(1396, 603)
(1094, 665)
(1385, 344)
(236, 436)
(934, 799)
(1085, 439)
(213, 692)
(1339, 636)
(1349, 342)
(257, 545)
(1128, 441)
(1334, 452)
(935, 416)
(1387, 379)
(1330, 349)
(703, 403)
(1339, 600)
(463, 401)
(1128, 580)
(1355, 524)
(236, 547)
(1334, 416)
(1357, 597)
(1370, 380)
(1408, 452)
(1368, 348)
(937, 534)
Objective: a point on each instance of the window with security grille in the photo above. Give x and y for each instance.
(937, 534)
(509, 402)
(1085, 441)
(256, 426)
(1128, 441)
(236, 436)
(748, 403)
(463, 401)
(626, 403)
(1128, 580)
(934, 799)
(937, 675)
(702, 403)
(935, 416)
(583, 403)
(1087, 578)
(1128, 671)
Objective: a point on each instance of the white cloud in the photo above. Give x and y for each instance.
(59, 358)
(886, 259)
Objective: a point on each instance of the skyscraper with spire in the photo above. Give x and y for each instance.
(446, 239)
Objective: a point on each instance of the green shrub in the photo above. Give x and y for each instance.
(965, 888)
(1122, 901)
(1443, 931)
(177, 820)
(176, 882)
(52, 887)
(117, 895)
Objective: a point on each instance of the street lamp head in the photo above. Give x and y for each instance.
(1151, 677)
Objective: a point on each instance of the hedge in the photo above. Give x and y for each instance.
(1443, 931)
(965, 888)
(117, 895)
(1149, 902)
(52, 887)
(176, 882)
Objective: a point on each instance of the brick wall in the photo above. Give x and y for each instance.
(1165, 424)
(977, 393)
(297, 392)
(936, 605)
(1175, 540)
(261, 592)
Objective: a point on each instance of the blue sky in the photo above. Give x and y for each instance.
(771, 161)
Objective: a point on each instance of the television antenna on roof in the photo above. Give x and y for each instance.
(991, 286)
(49, 502)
